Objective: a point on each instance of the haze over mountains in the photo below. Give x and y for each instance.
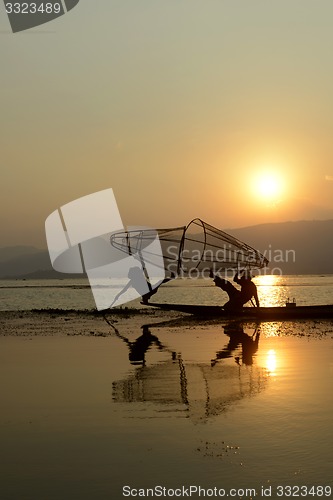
(28, 263)
(303, 247)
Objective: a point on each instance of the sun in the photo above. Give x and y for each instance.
(268, 186)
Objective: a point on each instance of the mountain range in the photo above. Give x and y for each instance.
(302, 247)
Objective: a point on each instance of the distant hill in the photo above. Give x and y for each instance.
(303, 247)
(8, 253)
(28, 262)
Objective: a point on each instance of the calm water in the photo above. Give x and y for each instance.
(226, 405)
(70, 294)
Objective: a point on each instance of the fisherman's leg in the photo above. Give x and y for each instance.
(235, 302)
(146, 296)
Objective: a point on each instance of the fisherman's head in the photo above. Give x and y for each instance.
(135, 272)
(246, 276)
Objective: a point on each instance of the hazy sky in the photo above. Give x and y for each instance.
(178, 105)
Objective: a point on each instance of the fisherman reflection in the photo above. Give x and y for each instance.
(238, 298)
(139, 348)
(139, 281)
(248, 343)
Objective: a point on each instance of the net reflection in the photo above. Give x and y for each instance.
(199, 389)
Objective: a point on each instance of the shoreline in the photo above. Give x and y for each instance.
(71, 322)
(92, 323)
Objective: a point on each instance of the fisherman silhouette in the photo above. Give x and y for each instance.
(237, 298)
(139, 281)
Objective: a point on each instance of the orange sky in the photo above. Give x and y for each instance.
(178, 106)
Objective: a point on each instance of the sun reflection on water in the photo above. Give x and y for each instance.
(268, 279)
(270, 290)
(271, 362)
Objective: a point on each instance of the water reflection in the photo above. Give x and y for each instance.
(201, 389)
(271, 290)
(271, 362)
(249, 344)
(139, 348)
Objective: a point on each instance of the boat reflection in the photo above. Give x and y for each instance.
(203, 388)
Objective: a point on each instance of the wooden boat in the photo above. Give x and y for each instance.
(288, 312)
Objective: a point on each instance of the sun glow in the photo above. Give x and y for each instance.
(268, 186)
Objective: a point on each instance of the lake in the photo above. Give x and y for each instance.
(140, 407)
(76, 294)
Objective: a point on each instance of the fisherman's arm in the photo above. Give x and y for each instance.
(236, 279)
(126, 287)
